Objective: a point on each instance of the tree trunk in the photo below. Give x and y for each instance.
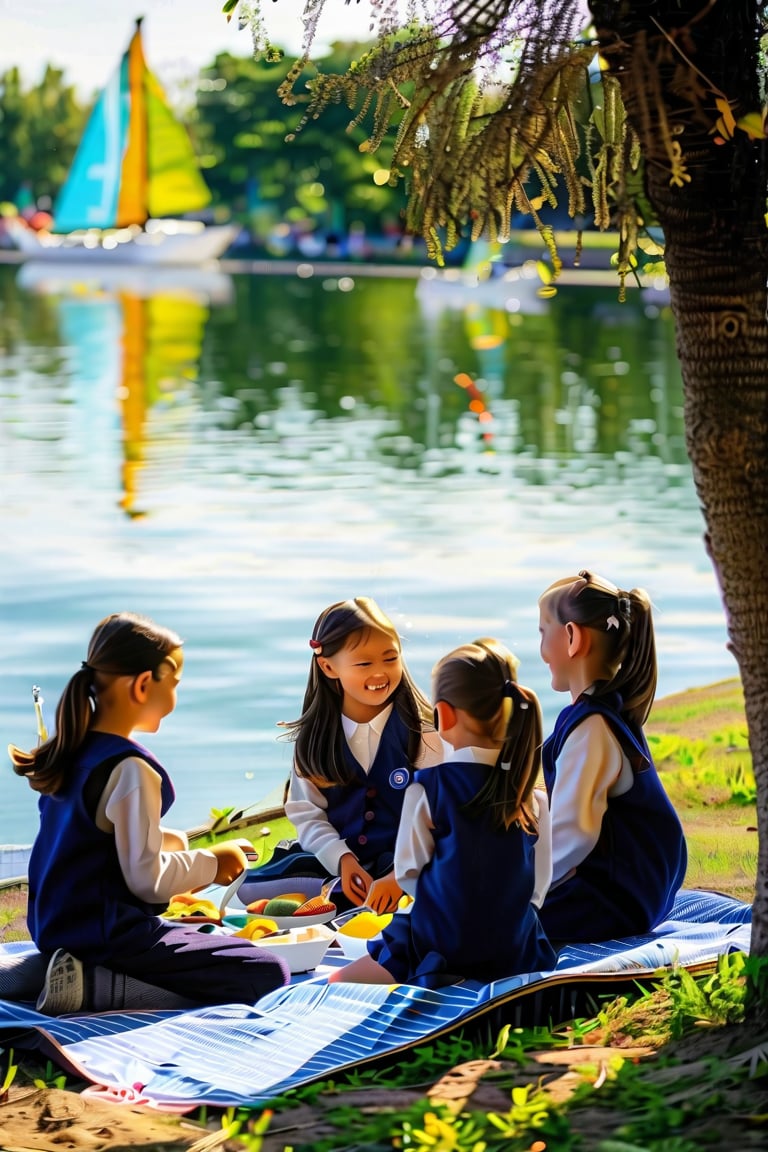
(717, 261)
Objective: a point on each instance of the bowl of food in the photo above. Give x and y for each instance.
(301, 948)
(293, 910)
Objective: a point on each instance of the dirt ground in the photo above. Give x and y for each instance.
(54, 1120)
(34, 1119)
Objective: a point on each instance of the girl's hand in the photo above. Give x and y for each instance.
(384, 894)
(355, 881)
(230, 861)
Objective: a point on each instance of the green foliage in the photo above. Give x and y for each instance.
(10, 1075)
(719, 998)
(494, 111)
(715, 770)
(40, 128)
(240, 126)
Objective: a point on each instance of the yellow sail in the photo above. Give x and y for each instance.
(135, 160)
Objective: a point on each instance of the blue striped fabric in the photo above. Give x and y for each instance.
(240, 1055)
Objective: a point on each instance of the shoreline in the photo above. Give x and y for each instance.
(707, 697)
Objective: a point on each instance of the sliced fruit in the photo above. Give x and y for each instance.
(315, 907)
(280, 906)
(257, 906)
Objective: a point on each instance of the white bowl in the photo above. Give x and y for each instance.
(301, 948)
(238, 917)
(354, 947)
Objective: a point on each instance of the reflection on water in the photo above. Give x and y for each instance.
(230, 456)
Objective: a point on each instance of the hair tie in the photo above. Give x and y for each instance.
(316, 647)
(513, 691)
(86, 667)
(506, 766)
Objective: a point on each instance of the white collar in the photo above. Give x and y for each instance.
(477, 755)
(377, 724)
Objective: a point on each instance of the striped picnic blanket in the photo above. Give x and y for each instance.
(239, 1054)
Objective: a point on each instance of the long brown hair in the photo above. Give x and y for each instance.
(481, 679)
(318, 733)
(622, 624)
(122, 644)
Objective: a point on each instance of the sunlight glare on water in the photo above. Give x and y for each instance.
(231, 462)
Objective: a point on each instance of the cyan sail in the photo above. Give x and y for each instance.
(135, 160)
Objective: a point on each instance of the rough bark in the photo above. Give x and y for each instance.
(717, 261)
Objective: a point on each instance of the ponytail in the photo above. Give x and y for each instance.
(622, 625)
(123, 644)
(481, 680)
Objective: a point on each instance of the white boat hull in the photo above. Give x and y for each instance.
(167, 242)
(206, 284)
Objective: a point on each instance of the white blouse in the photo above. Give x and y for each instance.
(590, 768)
(307, 807)
(156, 862)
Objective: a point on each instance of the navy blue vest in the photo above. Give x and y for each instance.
(78, 898)
(472, 914)
(366, 812)
(628, 882)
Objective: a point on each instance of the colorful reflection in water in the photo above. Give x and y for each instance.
(230, 455)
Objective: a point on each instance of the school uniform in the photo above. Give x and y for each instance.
(79, 899)
(472, 884)
(361, 816)
(619, 852)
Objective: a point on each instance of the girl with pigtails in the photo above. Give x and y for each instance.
(618, 848)
(473, 844)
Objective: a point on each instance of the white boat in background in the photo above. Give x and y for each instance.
(205, 285)
(133, 174)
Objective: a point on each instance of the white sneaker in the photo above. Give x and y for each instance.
(64, 987)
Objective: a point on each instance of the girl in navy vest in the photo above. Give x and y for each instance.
(102, 866)
(364, 727)
(619, 853)
(466, 846)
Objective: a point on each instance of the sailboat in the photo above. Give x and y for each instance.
(133, 172)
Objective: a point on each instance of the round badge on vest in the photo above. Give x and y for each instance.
(399, 778)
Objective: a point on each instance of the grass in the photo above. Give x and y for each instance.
(699, 745)
(670, 1067)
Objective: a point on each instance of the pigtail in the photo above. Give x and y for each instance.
(481, 679)
(46, 767)
(635, 679)
(507, 791)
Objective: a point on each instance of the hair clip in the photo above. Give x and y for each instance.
(506, 766)
(316, 647)
(611, 622)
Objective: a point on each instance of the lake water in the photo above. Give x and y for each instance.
(230, 454)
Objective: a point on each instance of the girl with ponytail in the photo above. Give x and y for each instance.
(618, 848)
(473, 844)
(103, 867)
